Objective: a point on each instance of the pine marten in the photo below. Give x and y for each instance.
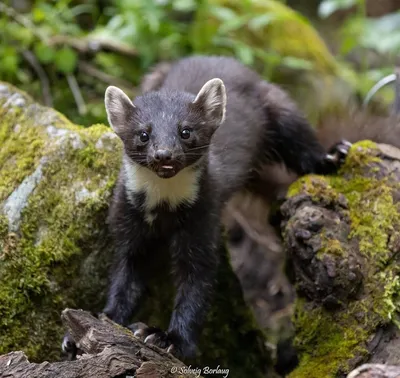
(202, 130)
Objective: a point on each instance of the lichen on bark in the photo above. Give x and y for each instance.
(342, 234)
(55, 185)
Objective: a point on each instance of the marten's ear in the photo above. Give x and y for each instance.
(212, 100)
(120, 109)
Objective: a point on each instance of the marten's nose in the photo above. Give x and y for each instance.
(163, 155)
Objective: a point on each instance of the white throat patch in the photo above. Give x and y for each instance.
(182, 188)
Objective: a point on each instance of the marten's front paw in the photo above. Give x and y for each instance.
(338, 153)
(141, 330)
(165, 340)
(69, 347)
(173, 343)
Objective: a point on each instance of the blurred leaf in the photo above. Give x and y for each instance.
(9, 60)
(244, 53)
(184, 5)
(115, 23)
(81, 9)
(387, 23)
(259, 22)
(38, 15)
(297, 63)
(328, 7)
(382, 34)
(66, 59)
(23, 77)
(44, 53)
(223, 13)
(233, 24)
(350, 32)
(15, 32)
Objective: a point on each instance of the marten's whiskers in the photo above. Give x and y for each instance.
(199, 147)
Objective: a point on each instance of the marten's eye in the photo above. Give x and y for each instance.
(185, 134)
(144, 137)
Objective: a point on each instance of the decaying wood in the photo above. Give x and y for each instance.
(341, 272)
(375, 371)
(109, 351)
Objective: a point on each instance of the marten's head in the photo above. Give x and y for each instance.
(166, 131)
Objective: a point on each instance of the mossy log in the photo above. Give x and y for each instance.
(56, 180)
(110, 351)
(342, 237)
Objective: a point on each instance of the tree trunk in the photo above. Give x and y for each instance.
(342, 237)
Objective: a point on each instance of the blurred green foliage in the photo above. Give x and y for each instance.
(66, 52)
(376, 41)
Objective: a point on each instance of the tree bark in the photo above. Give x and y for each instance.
(110, 351)
(375, 371)
(342, 237)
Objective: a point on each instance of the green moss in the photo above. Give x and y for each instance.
(19, 153)
(328, 340)
(373, 213)
(388, 306)
(3, 226)
(361, 155)
(315, 186)
(41, 264)
(331, 247)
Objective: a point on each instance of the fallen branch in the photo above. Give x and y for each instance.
(91, 70)
(76, 92)
(109, 351)
(93, 45)
(41, 74)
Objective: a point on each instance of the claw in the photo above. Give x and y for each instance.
(139, 333)
(168, 341)
(138, 329)
(342, 150)
(335, 157)
(150, 338)
(339, 152)
(66, 345)
(347, 143)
